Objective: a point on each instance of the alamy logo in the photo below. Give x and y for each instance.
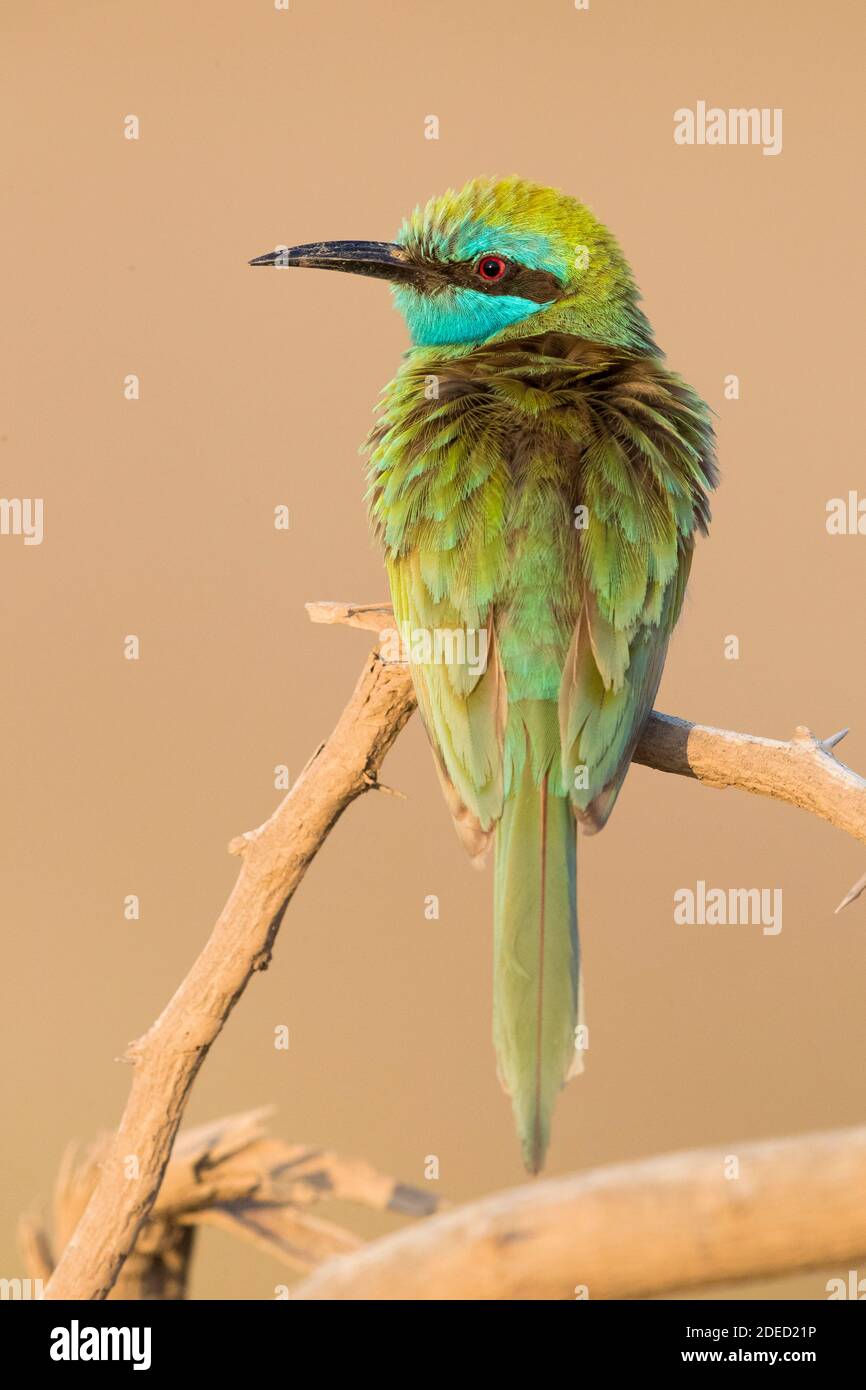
(846, 517)
(77, 1343)
(720, 907)
(436, 646)
(739, 125)
(22, 516)
(852, 1287)
(21, 1289)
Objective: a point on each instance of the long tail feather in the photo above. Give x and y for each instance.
(536, 956)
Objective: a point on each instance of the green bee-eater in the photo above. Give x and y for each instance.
(537, 479)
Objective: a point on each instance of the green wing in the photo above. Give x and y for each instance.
(438, 498)
(645, 473)
(462, 706)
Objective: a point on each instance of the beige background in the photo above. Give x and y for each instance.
(259, 127)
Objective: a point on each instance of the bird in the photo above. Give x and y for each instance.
(537, 479)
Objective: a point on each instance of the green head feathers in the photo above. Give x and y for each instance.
(501, 250)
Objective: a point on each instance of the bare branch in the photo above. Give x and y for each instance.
(167, 1058)
(803, 771)
(631, 1231)
(373, 617)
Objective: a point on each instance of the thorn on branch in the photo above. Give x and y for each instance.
(374, 785)
(831, 742)
(853, 893)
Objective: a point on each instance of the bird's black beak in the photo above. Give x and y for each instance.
(381, 259)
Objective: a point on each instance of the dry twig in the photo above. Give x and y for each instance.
(233, 1175)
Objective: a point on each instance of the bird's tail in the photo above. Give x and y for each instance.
(536, 956)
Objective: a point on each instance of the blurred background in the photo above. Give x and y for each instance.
(121, 777)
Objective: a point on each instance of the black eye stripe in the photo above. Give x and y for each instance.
(432, 275)
(519, 280)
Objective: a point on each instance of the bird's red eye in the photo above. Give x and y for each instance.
(491, 268)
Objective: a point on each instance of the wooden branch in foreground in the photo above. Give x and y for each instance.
(630, 1231)
(166, 1059)
(804, 771)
